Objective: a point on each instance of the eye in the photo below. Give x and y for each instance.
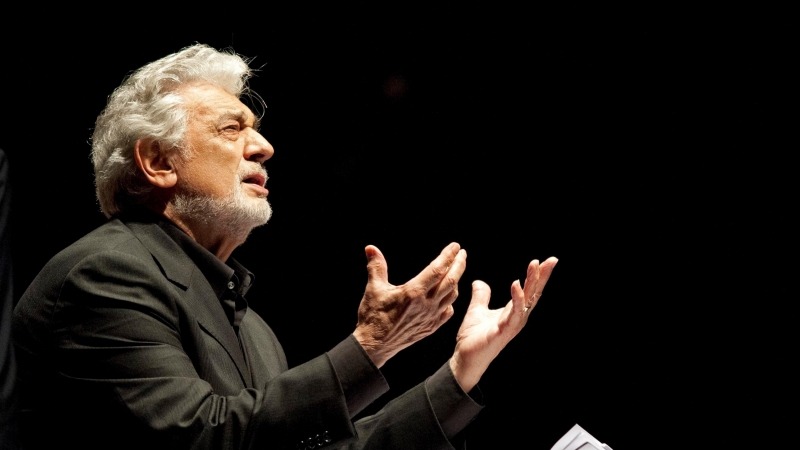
(231, 130)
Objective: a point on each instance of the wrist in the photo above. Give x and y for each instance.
(465, 376)
(371, 347)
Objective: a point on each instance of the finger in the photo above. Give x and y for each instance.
(531, 281)
(545, 269)
(437, 269)
(480, 295)
(377, 271)
(446, 315)
(449, 298)
(450, 281)
(518, 299)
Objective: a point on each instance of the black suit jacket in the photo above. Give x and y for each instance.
(123, 343)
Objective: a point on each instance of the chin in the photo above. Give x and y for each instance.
(236, 214)
(261, 213)
(254, 213)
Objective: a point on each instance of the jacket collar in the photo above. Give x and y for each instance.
(174, 262)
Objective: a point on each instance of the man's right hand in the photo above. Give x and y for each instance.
(390, 318)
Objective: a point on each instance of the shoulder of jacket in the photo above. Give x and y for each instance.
(113, 236)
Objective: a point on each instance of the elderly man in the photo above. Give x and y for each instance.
(139, 336)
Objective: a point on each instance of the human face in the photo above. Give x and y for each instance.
(222, 180)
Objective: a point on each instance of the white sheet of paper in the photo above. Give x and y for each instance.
(589, 446)
(578, 439)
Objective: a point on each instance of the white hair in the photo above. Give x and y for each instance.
(147, 105)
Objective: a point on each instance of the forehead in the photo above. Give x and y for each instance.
(206, 101)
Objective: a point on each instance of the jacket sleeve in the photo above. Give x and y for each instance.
(431, 415)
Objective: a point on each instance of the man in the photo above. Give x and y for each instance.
(139, 335)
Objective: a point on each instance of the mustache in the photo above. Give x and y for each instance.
(255, 169)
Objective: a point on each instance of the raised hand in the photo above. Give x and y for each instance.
(390, 318)
(485, 332)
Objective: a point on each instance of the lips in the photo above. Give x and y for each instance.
(257, 179)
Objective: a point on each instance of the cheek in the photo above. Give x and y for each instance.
(214, 168)
(212, 179)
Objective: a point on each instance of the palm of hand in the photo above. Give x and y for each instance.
(485, 332)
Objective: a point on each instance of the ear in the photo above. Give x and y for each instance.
(152, 159)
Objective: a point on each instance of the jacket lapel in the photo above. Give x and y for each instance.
(181, 271)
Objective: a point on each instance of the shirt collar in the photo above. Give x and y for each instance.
(230, 281)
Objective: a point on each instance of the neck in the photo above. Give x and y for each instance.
(214, 235)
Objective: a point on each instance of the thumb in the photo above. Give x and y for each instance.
(480, 294)
(376, 265)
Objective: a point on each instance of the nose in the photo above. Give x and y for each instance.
(257, 148)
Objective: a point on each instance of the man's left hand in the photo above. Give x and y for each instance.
(485, 332)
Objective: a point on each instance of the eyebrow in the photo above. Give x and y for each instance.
(239, 116)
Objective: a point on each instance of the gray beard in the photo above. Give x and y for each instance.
(234, 214)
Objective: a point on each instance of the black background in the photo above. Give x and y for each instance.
(652, 161)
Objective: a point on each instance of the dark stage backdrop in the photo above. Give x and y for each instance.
(647, 160)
